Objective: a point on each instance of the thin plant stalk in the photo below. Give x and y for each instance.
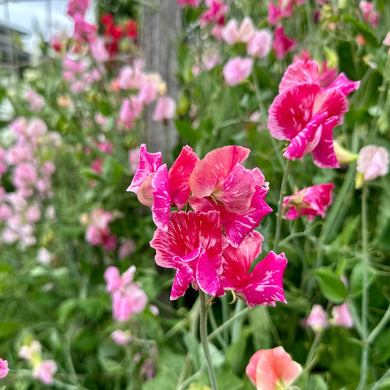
(280, 206)
(203, 339)
(364, 310)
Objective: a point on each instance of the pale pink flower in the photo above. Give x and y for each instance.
(130, 110)
(318, 319)
(127, 296)
(342, 316)
(73, 66)
(3, 368)
(373, 161)
(101, 120)
(232, 33)
(36, 128)
(282, 44)
(269, 369)
(120, 337)
(237, 69)
(310, 201)
(33, 213)
(30, 351)
(36, 101)
(45, 370)
(44, 256)
(386, 41)
(260, 44)
(148, 370)
(99, 51)
(165, 109)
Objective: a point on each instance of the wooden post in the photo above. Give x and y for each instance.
(161, 23)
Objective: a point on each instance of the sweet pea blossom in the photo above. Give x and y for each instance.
(158, 188)
(127, 296)
(342, 316)
(45, 370)
(193, 246)
(165, 109)
(310, 201)
(189, 3)
(77, 7)
(215, 14)
(232, 32)
(260, 44)
(262, 286)
(318, 319)
(370, 15)
(373, 161)
(282, 44)
(271, 369)
(237, 69)
(219, 182)
(3, 368)
(306, 114)
(120, 337)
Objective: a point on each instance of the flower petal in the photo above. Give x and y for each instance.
(299, 72)
(161, 198)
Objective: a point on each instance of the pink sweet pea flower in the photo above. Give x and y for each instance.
(369, 14)
(3, 368)
(318, 319)
(271, 369)
(342, 316)
(36, 101)
(77, 7)
(262, 286)
(219, 182)
(83, 31)
(310, 201)
(282, 44)
(98, 50)
(126, 248)
(232, 33)
(193, 246)
(260, 44)
(237, 69)
(165, 109)
(158, 188)
(45, 370)
(306, 114)
(373, 161)
(215, 14)
(120, 337)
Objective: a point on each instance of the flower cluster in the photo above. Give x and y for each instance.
(306, 113)
(42, 369)
(127, 296)
(213, 246)
(28, 168)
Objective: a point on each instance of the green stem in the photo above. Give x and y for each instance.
(280, 206)
(382, 323)
(203, 339)
(364, 310)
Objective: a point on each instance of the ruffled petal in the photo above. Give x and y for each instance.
(299, 72)
(344, 85)
(161, 198)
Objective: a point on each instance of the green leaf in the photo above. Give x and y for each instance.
(357, 278)
(8, 328)
(112, 171)
(65, 310)
(186, 131)
(363, 29)
(331, 285)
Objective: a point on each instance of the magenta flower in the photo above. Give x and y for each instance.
(370, 15)
(271, 369)
(77, 7)
(237, 70)
(282, 44)
(158, 188)
(310, 201)
(342, 316)
(189, 3)
(3, 368)
(262, 286)
(83, 31)
(373, 161)
(219, 182)
(193, 246)
(306, 114)
(215, 14)
(45, 370)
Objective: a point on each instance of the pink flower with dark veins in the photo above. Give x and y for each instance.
(306, 114)
(193, 246)
(262, 286)
(310, 201)
(271, 369)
